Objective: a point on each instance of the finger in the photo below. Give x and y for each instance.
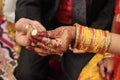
(22, 22)
(36, 50)
(51, 34)
(76, 50)
(21, 40)
(54, 44)
(39, 50)
(42, 46)
(38, 39)
(108, 65)
(30, 48)
(29, 32)
(20, 27)
(43, 54)
(35, 24)
(33, 40)
(38, 26)
(44, 40)
(46, 49)
(25, 20)
(102, 71)
(101, 68)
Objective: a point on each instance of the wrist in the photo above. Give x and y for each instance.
(72, 32)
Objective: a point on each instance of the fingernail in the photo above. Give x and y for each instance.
(34, 41)
(43, 33)
(108, 77)
(31, 39)
(30, 48)
(39, 38)
(32, 44)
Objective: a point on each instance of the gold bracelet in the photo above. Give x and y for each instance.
(77, 34)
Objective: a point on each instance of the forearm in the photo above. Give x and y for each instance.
(96, 40)
(114, 44)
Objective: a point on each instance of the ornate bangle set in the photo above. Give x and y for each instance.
(91, 40)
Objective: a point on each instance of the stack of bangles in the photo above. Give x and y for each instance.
(91, 40)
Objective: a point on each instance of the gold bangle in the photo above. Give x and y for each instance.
(108, 40)
(81, 37)
(77, 34)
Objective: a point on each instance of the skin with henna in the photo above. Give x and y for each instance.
(59, 40)
(64, 36)
(24, 27)
(56, 41)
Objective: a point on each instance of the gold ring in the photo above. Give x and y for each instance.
(34, 32)
(48, 41)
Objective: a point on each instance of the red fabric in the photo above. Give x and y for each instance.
(1, 20)
(87, 2)
(55, 69)
(64, 12)
(116, 27)
(6, 42)
(117, 11)
(116, 67)
(117, 8)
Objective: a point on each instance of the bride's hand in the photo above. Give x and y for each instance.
(53, 42)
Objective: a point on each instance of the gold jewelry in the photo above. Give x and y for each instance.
(92, 40)
(48, 41)
(77, 34)
(34, 32)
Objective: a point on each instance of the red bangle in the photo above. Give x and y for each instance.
(102, 49)
(91, 42)
(81, 33)
(116, 61)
